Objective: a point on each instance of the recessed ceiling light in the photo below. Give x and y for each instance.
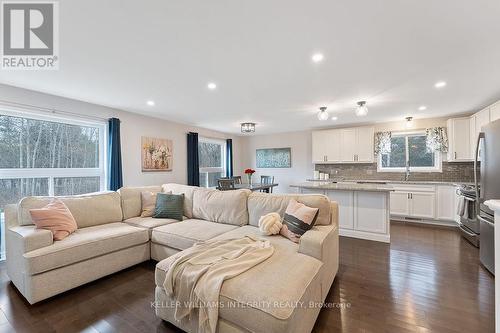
(335, 118)
(211, 86)
(318, 57)
(440, 84)
(150, 103)
(422, 108)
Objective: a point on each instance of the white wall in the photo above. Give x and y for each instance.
(133, 126)
(300, 142)
(302, 167)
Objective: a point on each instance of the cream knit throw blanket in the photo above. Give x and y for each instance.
(195, 275)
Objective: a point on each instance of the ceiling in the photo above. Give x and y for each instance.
(388, 52)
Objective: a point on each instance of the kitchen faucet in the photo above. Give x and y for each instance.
(407, 173)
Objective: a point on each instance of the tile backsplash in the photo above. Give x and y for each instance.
(452, 172)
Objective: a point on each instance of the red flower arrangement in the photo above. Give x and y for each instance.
(249, 171)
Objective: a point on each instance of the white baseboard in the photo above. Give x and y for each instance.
(426, 221)
(365, 235)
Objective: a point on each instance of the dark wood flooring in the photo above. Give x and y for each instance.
(427, 280)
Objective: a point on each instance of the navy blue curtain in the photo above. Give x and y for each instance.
(114, 155)
(229, 158)
(193, 162)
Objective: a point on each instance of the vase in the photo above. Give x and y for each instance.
(249, 175)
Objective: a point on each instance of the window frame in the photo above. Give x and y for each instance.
(221, 169)
(51, 173)
(438, 160)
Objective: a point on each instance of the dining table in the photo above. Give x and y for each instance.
(254, 187)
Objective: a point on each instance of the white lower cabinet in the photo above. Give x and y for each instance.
(400, 203)
(345, 199)
(368, 216)
(424, 202)
(363, 214)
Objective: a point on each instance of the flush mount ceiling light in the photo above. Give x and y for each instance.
(247, 127)
(422, 108)
(440, 84)
(409, 122)
(211, 86)
(317, 57)
(322, 114)
(361, 110)
(150, 103)
(335, 118)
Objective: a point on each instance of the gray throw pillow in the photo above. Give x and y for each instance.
(169, 206)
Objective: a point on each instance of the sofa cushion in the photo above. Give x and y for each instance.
(229, 207)
(148, 222)
(249, 299)
(184, 234)
(87, 209)
(131, 199)
(188, 192)
(260, 204)
(84, 244)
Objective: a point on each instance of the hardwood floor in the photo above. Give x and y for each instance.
(427, 280)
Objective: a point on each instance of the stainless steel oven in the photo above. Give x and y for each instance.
(470, 226)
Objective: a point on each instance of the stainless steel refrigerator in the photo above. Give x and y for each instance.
(488, 187)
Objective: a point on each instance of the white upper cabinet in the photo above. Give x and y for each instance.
(495, 111)
(346, 145)
(326, 146)
(364, 144)
(319, 146)
(459, 130)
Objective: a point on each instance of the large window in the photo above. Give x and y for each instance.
(409, 149)
(212, 158)
(49, 156)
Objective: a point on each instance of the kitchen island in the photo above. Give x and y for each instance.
(364, 209)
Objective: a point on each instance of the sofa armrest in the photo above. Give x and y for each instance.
(318, 242)
(27, 238)
(334, 213)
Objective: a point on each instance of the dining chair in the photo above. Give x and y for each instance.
(237, 179)
(267, 180)
(225, 184)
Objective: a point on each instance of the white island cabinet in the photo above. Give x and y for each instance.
(364, 210)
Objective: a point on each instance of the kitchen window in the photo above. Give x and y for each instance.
(212, 159)
(409, 149)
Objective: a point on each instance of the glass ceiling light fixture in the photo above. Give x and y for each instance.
(361, 110)
(247, 127)
(322, 114)
(409, 122)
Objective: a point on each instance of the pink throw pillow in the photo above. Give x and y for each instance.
(298, 219)
(55, 217)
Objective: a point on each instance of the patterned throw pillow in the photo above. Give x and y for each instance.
(298, 219)
(170, 206)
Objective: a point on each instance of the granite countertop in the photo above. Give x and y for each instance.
(378, 181)
(327, 185)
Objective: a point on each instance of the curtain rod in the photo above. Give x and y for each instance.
(48, 110)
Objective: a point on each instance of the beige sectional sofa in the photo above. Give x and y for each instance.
(274, 296)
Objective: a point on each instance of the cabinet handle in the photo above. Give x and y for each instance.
(455, 155)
